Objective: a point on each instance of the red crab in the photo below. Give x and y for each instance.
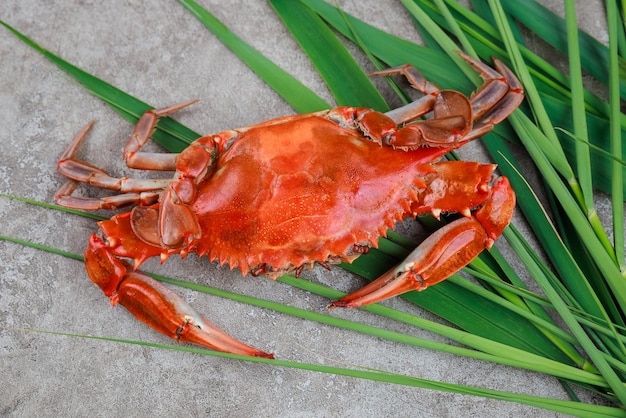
(297, 191)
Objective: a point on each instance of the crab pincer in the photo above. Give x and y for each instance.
(156, 305)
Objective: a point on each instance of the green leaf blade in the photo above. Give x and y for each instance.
(171, 134)
(347, 81)
(302, 99)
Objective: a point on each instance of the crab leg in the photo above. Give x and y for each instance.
(486, 113)
(445, 252)
(154, 304)
(65, 197)
(73, 168)
(134, 191)
(141, 134)
(501, 87)
(455, 118)
(498, 84)
(418, 107)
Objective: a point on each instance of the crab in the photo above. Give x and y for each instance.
(293, 192)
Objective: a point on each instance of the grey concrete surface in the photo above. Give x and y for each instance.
(161, 54)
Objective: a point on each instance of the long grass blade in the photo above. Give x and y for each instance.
(593, 352)
(550, 27)
(302, 99)
(495, 353)
(616, 134)
(172, 135)
(347, 81)
(537, 215)
(563, 406)
(583, 160)
(538, 364)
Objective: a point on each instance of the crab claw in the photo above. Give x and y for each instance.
(156, 305)
(443, 253)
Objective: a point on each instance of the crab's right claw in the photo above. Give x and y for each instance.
(156, 305)
(448, 249)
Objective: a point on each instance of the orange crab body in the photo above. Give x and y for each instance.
(302, 191)
(295, 191)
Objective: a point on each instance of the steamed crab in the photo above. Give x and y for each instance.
(296, 191)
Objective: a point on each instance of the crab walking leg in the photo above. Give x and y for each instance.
(418, 107)
(486, 114)
(501, 87)
(80, 171)
(144, 128)
(498, 84)
(156, 305)
(134, 191)
(443, 253)
(65, 197)
(455, 118)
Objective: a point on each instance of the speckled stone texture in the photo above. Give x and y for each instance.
(163, 55)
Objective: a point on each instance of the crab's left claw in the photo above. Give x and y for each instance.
(156, 305)
(443, 253)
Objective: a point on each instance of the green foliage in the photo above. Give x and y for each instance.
(498, 319)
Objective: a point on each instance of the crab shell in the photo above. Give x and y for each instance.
(298, 191)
